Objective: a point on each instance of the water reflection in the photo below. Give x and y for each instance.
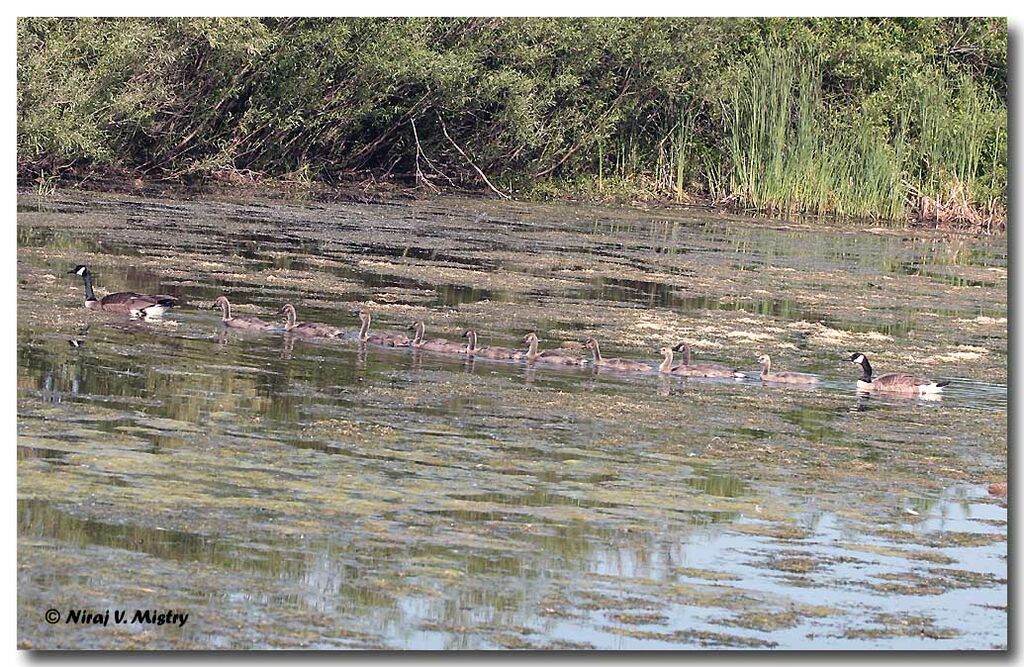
(422, 500)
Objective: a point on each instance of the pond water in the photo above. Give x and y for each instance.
(322, 494)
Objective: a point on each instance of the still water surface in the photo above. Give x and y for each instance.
(292, 493)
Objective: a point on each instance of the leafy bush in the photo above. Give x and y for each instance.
(855, 117)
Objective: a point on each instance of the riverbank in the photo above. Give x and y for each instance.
(880, 119)
(372, 190)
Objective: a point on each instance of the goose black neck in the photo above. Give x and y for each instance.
(89, 294)
(866, 365)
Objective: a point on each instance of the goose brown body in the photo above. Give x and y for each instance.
(707, 370)
(308, 329)
(666, 363)
(786, 377)
(234, 322)
(613, 364)
(133, 303)
(435, 344)
(386, 339)
(534, 355)
(897, 383)
(489, 351)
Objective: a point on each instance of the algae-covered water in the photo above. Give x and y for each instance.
(292, 493)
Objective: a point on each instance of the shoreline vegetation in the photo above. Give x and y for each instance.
(870, 119)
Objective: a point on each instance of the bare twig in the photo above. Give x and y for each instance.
(420, 176)
(463, 154)
(430, 163)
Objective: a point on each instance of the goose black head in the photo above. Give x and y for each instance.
(80, 270)
(865, 365)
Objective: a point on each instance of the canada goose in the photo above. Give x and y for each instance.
(435, 345)
(307, 329)
(613, 364)
(133, 303)
(893, 382)
(248, 323)
(666, 363)
(533, 355)
(787, 377)
(383, 339)
(702, 370)
(489, 351)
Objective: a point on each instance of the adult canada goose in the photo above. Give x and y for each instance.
(613, 364)
(703, 370)
(248, 323)
(893, 382)
(489, 351)
(133, 303)
(307, 329)
(434, 345)
(788, 377)
(534, 355)
(383, 339)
